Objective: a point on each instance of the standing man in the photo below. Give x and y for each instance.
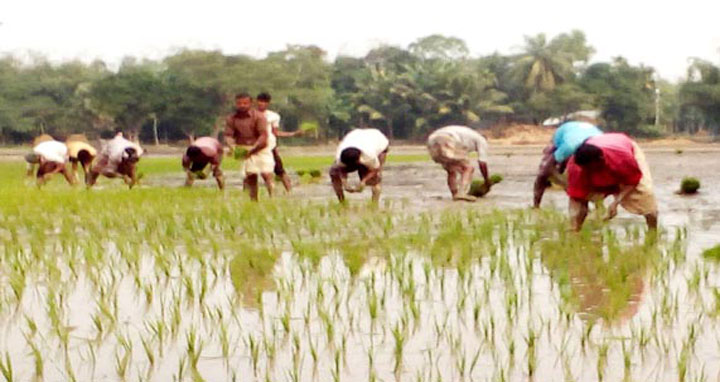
(118, 157)
(450, 146)
(273, 120)
(248, 129)
(203, 151)
(567, 138)
(51, 157)
(80, 151)
(610, 164)
(364, 151)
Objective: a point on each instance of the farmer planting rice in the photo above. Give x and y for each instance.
(80, 151)
(203, 151)
(118, 157)
(31, 158)
(364, 151)
(450, 146)
(273, 120)
(567, 138)
(51, 157)
(610, 164)
(248, 130)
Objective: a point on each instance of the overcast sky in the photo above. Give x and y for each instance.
(659, 34)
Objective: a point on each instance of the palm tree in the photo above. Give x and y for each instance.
(541, 67)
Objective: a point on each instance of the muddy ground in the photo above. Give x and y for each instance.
(422, 185)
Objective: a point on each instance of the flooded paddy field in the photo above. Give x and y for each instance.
(163, 283)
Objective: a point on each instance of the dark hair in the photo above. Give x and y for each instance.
(350, 157)
(264, 97)
(193, 151)
(586, 154)
(242, 95)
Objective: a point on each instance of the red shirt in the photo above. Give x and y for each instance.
(619, 168)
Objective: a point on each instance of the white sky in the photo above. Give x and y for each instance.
(659, 34)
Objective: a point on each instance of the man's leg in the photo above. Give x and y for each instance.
(74, 166)
(189, 179)
(337, 177)
(652, 220)
(279, 170)
(578, 212)
(217, 173)
(375, 182)
(71, 179)
(467, 173)
(45, 171)
(268, 177)
(251, 185)
(452, 181)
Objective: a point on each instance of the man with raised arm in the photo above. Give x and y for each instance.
(364, 151)
(610, 164)
(247, 130)
(450, 146)
(567, 138)
(273, 119)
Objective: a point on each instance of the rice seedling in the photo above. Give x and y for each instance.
(6, 368)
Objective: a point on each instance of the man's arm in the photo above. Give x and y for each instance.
(542, 180)
(285, 134)
(229, 134)
(262, 141)
(625, 190)
(484, 171)
(578, 212)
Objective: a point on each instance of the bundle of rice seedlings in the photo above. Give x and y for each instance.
(689, 185)
(478, 188)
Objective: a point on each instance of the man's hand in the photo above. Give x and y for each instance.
(359, 188)
(612, 210)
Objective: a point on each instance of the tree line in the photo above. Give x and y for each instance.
(405, 91)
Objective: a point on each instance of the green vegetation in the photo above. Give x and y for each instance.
(196, 284)
(712, 253)
(689, 185)
(406, 91)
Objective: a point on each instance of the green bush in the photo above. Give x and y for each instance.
(689, 185)
(315, 173)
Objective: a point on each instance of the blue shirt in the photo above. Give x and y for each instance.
(569, 136)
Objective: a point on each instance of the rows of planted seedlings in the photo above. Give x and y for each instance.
(162, 284)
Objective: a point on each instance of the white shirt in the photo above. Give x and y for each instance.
(370, 142)
(273, 122)
(52, 151)
(466, 138)
(115, 148)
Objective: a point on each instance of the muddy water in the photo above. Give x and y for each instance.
(445, 342)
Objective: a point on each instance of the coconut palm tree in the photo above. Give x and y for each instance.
(542, 66)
